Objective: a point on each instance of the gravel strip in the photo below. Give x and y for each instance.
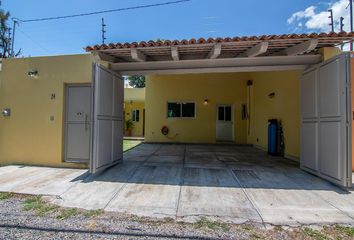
(16, 223)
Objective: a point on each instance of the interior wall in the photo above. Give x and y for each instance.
(129, 106)
(284, 106)
(217, 88)
(29, 135)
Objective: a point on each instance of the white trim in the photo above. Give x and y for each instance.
(216, 70)
(272, 63)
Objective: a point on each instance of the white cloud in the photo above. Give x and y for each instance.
(312, 20)
(307, 13)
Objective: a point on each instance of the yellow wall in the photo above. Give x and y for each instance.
(227, 88)
(28, 136)
(129, 106)
(329, 52)
(134, 94)
(284, 106)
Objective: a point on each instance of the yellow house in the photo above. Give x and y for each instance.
(223, 90)
(34, 134)
(134, 110)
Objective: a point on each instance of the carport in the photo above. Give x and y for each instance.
(326, 108)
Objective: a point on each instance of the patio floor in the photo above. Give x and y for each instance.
(226, 182)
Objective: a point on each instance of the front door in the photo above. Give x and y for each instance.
(224, 123)
(77, 123)
(326, 120)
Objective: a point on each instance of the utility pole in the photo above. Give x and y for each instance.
(341, 28)
(331, 17)
(103, 31)
(8, 50)
(13, 38)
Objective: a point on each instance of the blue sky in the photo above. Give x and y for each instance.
(194, 19)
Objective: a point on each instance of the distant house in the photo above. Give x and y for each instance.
(134, 110)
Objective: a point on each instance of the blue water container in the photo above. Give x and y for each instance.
(273, 137)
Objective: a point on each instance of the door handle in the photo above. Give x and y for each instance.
(86, 122)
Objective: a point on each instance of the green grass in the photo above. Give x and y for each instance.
(38, 205)
(68, 213)
(347, 231)
(41, 208)
(5, 195)
(129, 144)
(92, 213)
(204, 223)
(315, 234)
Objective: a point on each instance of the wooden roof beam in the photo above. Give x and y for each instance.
(215, 51)
(137, 55)
(307, 46)
(174, 53)
(258, 49)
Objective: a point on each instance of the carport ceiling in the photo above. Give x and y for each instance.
(262, 53)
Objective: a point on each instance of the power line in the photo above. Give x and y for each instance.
(100, 12)
(34, 41)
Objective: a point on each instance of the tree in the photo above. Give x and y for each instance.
(5, 32)
(5, 36)
(137, 81)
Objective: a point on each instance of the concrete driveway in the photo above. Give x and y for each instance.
(230, 183)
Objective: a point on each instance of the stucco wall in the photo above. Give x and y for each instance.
(29, 136)
(129, 106)
(284, 106)
(228, 88)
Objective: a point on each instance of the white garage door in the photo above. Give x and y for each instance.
(107, 140)
(326, 120)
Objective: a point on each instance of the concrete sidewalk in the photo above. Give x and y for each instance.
(223, 182)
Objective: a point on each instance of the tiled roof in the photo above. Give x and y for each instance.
(328, 38)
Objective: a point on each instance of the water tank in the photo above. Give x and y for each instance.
(273, 137)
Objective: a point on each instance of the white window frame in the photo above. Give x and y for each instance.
(181, 103)
(135, 110)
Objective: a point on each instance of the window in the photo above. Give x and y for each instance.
(180, 110)
(225, 113)
(135, 115)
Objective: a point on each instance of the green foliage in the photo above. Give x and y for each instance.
(204, 223)
(5, 40)
(68, 213)
(93, 213)
(129, 144)
(348, 231)
(315, 234)
(137, 81)
(5, 195)
(129, 124)
(38, 205)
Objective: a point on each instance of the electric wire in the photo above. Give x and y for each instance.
(100, 12)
